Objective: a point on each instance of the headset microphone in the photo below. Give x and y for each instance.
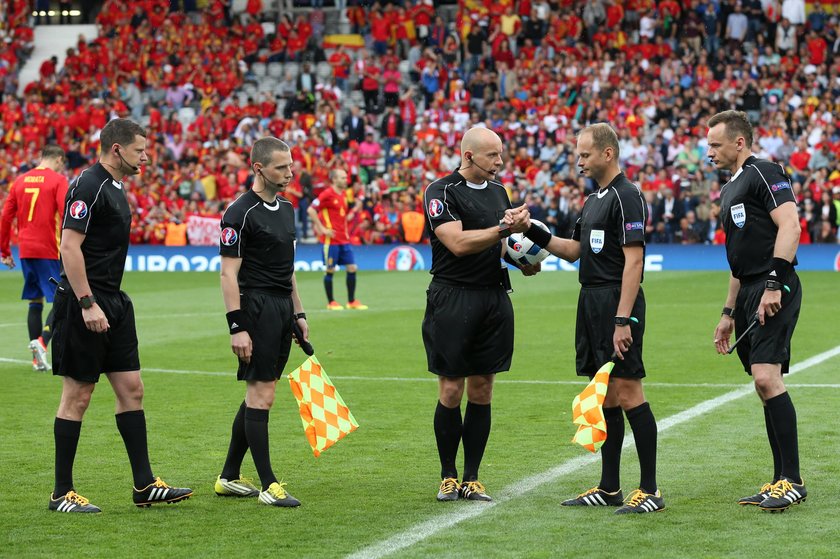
(472, 161)
(134, 168)
(273, 185)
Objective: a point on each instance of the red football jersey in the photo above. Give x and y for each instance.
(332, 210)
(37, 201)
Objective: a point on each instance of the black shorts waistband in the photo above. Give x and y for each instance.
(601, 286)
(279, 295)
(467, 286)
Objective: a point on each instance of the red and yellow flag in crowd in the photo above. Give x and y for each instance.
(588, 411)
(326, 418)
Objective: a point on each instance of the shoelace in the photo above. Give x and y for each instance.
(449, 485)
(636, 498)
(159, 483)
(780, 488)
(74, 497)
(765, 488)
(475, 487)
(278, 492)
(589, 492)
(245, 480)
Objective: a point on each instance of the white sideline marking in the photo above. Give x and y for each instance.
(438, 523)
(430, 378)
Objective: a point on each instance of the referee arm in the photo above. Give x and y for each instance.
(786, 218)
(462, 243)
(240, 343)
(73, 261)
(631, 278)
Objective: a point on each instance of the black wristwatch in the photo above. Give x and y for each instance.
(622, 321)
(298, 316)
(87, 301)
(773, 285)
(504, 230)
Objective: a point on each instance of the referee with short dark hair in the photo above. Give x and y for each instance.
(761, 222)
(468, 325)
(609, 240)
(94, 329)
(257, 246)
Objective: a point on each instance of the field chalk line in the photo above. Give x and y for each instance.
(438, 523)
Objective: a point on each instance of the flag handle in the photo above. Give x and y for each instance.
(304, 344)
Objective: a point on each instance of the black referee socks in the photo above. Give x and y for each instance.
(644, 429)
(783, 416)
(476, 433)
(448, 429)
(256, 429)
(611, 450)
(132, 428)
(66, 434)
(238, 446)
(774, 445)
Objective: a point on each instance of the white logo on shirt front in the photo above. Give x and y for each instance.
(739, 215)
(596, 240)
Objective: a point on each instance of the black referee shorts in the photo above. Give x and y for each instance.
(467, 331)
(595, 329)
(83, 355)
(270, 318)
(769, 343)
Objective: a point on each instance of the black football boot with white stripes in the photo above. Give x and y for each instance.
(596, 497)
(759, 497)
(72, 502)
(641, 502)
(784, 494)
(160, 492)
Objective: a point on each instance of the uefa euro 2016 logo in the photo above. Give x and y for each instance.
(404, 258)
(78, 210)
(228, 236)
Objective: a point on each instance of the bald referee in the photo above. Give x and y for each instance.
(761, 222)
(464, 212)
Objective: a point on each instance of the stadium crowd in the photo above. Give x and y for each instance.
(391, 109)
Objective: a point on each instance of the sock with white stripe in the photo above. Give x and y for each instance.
(774, 444)
(66, 434)
(132, 428)
(611, 450)
(237, 448)
(476, 433)
(783, 415)
(256, 430)
(448, 428)
(643, 424)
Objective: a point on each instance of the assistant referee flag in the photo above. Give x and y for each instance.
(326, 418)
(588, 411)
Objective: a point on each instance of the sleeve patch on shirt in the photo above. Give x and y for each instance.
(634, 225)
(780, 186)
(435, 207)
(78, 210)
(228, 236)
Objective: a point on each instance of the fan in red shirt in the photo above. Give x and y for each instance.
(36, 200)
(329, 217)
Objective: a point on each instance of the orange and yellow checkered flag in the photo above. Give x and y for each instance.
(588, 411)
(326, 418)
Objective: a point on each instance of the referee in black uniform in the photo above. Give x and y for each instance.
(609, 240)
(94, 329)
(761, 222)
(257, 245)
(468, 325)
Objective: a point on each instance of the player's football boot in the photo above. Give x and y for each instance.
(596, 497)
(474, 491)
(356, 305)
(334, 306)
(784, 494)
(641, 502)
(241, 487)
(276, 496)
(449, 490)
(756, 499)
(160, 492)
(72, 502)
(39, 355)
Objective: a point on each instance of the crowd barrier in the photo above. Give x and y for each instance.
(152, 258)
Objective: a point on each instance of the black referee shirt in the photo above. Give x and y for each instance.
(96, 206)
(476, 207)
(611, 218)
(263, 236)
(759, 187)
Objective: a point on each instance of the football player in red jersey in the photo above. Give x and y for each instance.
(329, 214)
(36, 201)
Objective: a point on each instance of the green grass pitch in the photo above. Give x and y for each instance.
(381, 481)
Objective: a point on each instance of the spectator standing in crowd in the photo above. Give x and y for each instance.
(330, 215)
(760, 218)
(609, 240)
(257, 247)
(464, 210)
(36, 203)
(94, 330)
